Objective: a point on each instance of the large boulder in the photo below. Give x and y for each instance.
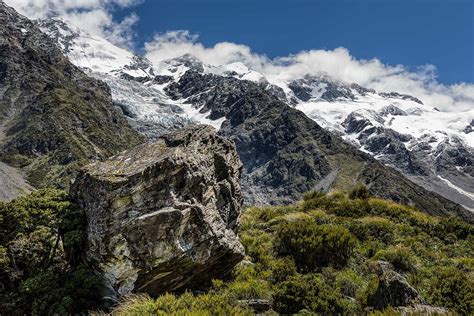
(163, 216)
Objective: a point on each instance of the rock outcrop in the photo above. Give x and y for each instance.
(162, 216)
(420, 309)
(393, 289)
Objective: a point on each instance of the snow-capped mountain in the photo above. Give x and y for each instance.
(434, 149)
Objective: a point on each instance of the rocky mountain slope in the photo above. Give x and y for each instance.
(279, 167)
(434, 149)
(12, 183)
(53, 116)
(285, 153)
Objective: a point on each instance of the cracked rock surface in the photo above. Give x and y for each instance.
(163, 216)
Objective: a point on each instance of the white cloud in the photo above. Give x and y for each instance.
(93, 16)
(176, 43)
(337, 63)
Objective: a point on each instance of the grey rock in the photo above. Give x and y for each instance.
(59, 31)
(355, 123)
(12, 183)
(362, 90)
(301, 91)
(257, 305)
(393, 110)
(393, 288)
(420, 309)
(330, 90)
(163, 216)
(397, 95)
(385, 143)
(186, 60)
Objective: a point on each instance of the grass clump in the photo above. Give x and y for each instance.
(212, 303)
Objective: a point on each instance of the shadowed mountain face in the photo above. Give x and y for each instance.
(52, 115)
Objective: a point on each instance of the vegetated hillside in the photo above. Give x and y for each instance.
(321, 255)
(52, 115)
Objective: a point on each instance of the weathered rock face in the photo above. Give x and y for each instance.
(162, 216)
(393, 289)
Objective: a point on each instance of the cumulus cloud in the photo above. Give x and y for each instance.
(337, 63)
(94, 16)
(177, 43)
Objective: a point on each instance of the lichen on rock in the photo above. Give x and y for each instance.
(163, 216)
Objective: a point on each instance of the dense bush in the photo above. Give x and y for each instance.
(373, 228)
(41, 239)
(449, 287)
(312, 245)
(360, 191)
(307, 292)
(399, 257)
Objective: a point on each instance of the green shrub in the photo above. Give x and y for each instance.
(453, 226)
(282, 269)
(449, 287)
(373, 228)
(360, 191)
(306, 292)
(258, 245)
(249, 289)
(349, 283)
(312, 245)
(42, 238)
(400, 257)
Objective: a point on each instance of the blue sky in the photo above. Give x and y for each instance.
(411, 33)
